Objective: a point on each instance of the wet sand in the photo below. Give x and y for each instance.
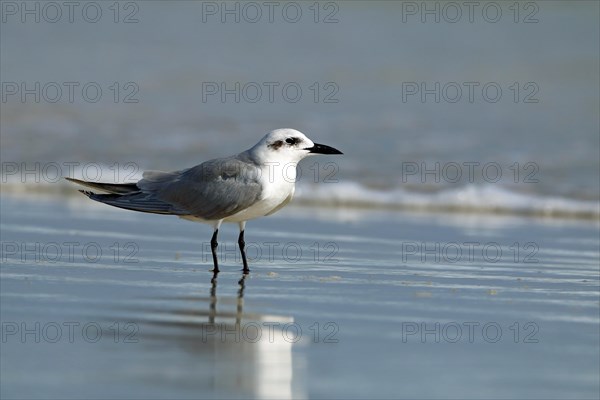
(104, 303)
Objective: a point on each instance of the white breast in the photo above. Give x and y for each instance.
(278, 183)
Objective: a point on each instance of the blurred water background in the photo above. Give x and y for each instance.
(541, 134)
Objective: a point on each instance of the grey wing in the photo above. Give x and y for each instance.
(138, 201)
(212, 190)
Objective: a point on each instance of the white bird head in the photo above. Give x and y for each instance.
(288, 145)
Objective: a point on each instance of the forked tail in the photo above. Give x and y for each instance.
(128, 196)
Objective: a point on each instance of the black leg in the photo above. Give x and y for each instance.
(213, 247)
(242, 245)
(212, 311)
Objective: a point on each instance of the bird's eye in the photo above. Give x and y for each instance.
(290, 140)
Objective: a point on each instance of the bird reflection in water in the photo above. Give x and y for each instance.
(231, 351)
(213, 299)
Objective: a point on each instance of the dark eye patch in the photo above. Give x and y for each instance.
(291, 140)
(276, 145)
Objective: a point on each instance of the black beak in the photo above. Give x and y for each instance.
(323, 149)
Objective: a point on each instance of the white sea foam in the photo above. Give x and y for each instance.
(472, 198)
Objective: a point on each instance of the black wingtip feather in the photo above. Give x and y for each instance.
(87, 193)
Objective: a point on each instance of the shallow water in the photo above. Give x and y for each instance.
(378, 311)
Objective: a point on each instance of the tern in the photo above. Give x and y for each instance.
(252, 184)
